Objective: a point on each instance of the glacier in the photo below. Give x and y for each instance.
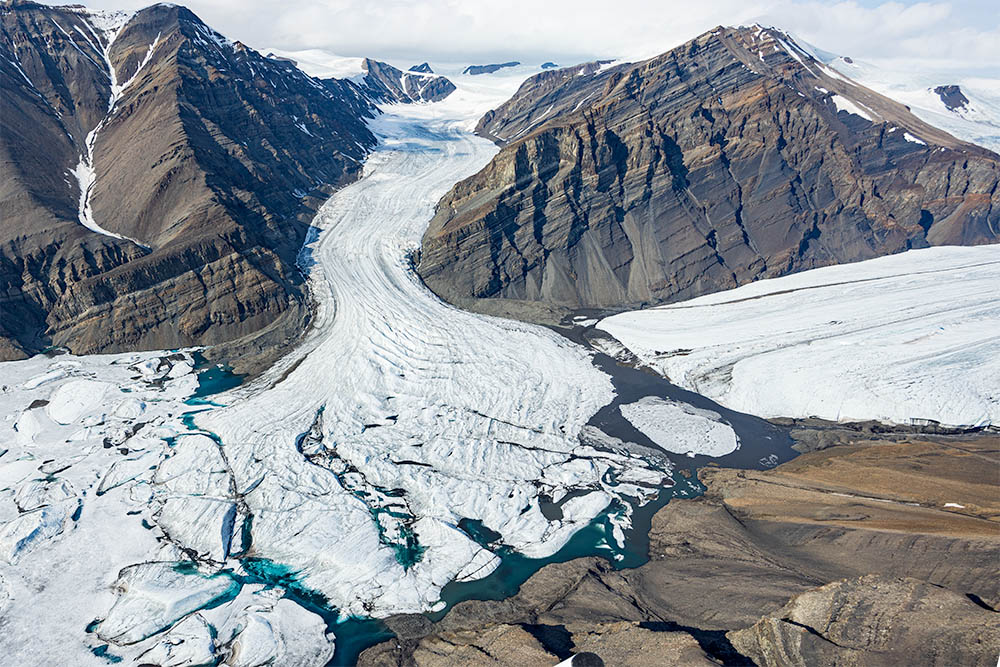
(908, 338)
(141, 522)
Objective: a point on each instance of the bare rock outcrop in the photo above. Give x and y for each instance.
(476, 70)
(874, 620)
(385, 83)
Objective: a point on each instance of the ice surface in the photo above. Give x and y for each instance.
(323, 64)
(154, 596)
(71, 508)
(75, 399)
(458, 413)
(903, 338)
(275, 631)
(978, 122)
(681, 428)
(190, 642)
(26, 532)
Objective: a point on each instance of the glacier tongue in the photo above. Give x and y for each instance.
(907, 338)
(409, 415)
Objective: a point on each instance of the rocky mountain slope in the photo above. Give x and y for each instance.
(867, 553)
(379, 81)
(734, 157)
(386, 83)
(158, 180)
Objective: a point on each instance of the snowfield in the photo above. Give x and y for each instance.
(977, 122)
(904, 338)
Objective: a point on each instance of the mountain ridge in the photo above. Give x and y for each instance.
(734, 157)
(209, 155)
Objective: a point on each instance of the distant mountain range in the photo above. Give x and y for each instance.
(475, 70)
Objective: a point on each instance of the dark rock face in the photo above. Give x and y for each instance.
(212, 158)
(385, 83)
(422, 67)
(549, 65)
(488, 69)
(952, 96)
(720, 162)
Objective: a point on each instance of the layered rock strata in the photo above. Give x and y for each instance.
(735, 157)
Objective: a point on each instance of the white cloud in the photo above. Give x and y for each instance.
(960, 33)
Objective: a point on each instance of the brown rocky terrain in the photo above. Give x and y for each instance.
(874, 552)
(874, 620)
(732, 158)
(211, 158)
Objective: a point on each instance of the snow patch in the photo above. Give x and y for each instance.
(844, 104)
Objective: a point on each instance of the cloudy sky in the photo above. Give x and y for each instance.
(964, 34)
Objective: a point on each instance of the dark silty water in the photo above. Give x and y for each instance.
(762, 443)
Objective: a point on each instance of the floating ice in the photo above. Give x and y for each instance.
(681, 428)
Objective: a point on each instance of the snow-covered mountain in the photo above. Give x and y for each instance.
(967, 107)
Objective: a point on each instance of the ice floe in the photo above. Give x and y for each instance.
(681, 428)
